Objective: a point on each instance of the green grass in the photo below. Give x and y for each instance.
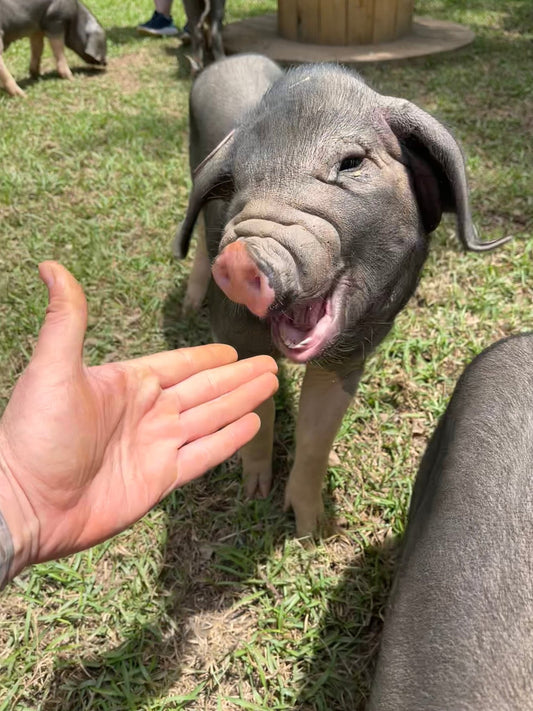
(209, 603)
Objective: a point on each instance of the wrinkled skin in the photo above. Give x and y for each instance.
(458, 627)
(324, 197)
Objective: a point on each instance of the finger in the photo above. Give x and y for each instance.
(196, 458)
(62, 334)
(172, 367)
(213, 383)
(211, 416)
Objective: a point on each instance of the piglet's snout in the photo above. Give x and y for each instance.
(239, 277)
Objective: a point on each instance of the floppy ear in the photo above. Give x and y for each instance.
(85, 36)
(95, 40)
(212, 179)
(438, 170)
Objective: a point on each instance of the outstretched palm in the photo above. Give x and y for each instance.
(90, 450)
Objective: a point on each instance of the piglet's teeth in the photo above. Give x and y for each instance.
(300, 344)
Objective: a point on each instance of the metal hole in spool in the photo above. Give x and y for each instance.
(344, 22)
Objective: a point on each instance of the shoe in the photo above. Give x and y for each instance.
(158, 25)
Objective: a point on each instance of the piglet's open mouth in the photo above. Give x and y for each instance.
(303, 331)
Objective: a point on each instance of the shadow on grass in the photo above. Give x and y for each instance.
(215, 543)
(126, 35)
(341, 666)
(208, 558)
(182, 52)
(181, 331)
(516, 12)
(520, 18)
(88, 71)
(177, 656)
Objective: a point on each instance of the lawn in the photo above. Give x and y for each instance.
(209, 602)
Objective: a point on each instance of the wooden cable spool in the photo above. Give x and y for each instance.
(344, 22)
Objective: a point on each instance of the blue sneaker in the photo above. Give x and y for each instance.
(159, 25)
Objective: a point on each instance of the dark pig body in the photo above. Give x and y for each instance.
(319, 201)
(63, 22)
(459, 630)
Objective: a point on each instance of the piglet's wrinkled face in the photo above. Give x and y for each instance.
(324, 238)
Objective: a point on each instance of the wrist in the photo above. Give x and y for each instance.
(19, 527)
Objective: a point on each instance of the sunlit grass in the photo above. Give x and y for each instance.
(209, 603)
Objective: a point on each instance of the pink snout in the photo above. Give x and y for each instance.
(239, 277)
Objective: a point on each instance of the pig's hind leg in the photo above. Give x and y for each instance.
(324, 399)
(37, 44)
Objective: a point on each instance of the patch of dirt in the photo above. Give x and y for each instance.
(209, 637)
(124, 72)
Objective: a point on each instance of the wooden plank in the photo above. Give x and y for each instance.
(404, 17)
(360, 21)
(288, 19)
(384, 20)
(308, 21)
(332, 21)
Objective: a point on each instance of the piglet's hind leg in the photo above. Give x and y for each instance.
(37, 44)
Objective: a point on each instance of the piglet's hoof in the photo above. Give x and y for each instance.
(193, 300)
(308, 512)
(65, 73)
(257, 481)
(15, 90)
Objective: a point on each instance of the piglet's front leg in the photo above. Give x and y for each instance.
(324, 399)
(58, 49)
(200, 275)
(257, 454)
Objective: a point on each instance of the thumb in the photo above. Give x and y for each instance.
(62, 334)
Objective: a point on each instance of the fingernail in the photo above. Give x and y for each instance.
(47, 274)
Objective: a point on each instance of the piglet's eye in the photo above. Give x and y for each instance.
(350, 163)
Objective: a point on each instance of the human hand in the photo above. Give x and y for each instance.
(86, 451)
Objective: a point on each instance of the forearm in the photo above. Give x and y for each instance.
(18, 524)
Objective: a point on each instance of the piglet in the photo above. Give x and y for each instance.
(318, 197)
(63, 22)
